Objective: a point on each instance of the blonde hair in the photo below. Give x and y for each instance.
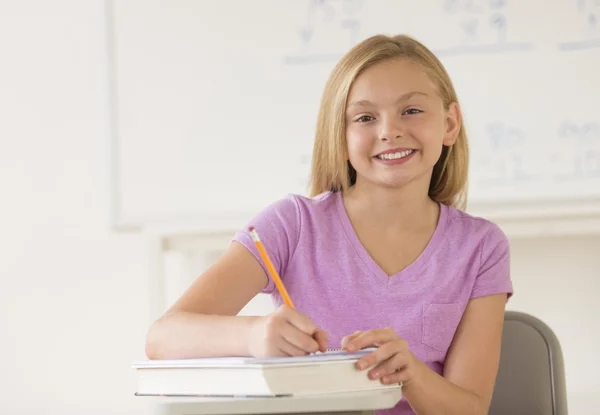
(331, 171)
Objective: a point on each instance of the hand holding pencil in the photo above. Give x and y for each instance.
(285, 332)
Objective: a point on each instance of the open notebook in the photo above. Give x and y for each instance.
(329, 372)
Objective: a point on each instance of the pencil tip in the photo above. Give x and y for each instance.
(251, 228)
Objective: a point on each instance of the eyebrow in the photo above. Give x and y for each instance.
(403, 97)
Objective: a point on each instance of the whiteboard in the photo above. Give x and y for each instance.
(215, 102)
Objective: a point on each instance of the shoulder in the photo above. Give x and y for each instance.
(279, 225)
(294, 207)
(474, 231)
(282, 220)
(317, 207)
(485, 242)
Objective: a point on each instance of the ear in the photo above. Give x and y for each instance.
(452, 122)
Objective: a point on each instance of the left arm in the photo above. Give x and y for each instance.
(470, 367)
(471, 364)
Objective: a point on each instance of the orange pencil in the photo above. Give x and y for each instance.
(270, 267)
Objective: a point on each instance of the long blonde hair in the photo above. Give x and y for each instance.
(331, 171)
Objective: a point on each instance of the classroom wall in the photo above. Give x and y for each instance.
(73, 294)
(76, 297)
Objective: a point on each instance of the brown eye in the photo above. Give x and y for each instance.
(364, 118)
(412, 111)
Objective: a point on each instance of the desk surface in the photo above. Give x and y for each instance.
(326, 403)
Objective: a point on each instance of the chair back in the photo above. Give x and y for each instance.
(531, 376)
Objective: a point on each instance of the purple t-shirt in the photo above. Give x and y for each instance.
(332, 279)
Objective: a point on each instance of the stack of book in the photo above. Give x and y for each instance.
(320, 373)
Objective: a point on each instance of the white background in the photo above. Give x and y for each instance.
(76, 297)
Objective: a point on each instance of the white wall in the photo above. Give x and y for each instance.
(75, 296)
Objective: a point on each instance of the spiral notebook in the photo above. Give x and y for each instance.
(329, 372)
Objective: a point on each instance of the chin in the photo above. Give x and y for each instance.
(393, 183)
(389, 179)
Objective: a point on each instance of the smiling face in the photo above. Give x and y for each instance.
(396, 125)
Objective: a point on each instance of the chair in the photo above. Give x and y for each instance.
(531, 376)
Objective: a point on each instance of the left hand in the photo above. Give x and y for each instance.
(392, 362)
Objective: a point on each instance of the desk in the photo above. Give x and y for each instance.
(347, 403)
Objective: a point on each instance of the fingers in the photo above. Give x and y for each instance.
(375, 337)
(320, 337)
(289, 349)
(405, 372)
(389, 363)
(302, 332)
(399, 376)
(378, 355)
(298, 320)
(299, 339)
(383, 361)
(349, 338)
(285, 332)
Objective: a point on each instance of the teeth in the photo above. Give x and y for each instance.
(394, 156)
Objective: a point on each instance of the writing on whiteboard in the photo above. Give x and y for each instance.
(581, 150)
(587, 16)
(483, 27)
(329, 29)
(503, 163)
(479, 21)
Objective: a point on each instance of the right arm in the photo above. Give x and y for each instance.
(203, 322)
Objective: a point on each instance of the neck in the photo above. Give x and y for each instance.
(403, 208)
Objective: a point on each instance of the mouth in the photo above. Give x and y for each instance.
(395, 155)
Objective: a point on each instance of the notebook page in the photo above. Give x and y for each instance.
(328, 356)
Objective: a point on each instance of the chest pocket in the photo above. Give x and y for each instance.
(439, 325)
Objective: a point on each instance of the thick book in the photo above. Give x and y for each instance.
(319, 373)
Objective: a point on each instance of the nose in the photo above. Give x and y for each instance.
(391, 128)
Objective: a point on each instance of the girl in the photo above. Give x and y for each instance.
(380, 254)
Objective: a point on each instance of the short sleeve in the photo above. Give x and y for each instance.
(494, 272)
(278, 226)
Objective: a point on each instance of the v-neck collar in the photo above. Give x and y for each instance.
(410, 272)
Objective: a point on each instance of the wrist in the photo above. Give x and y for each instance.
(249, 329)
(417, 379)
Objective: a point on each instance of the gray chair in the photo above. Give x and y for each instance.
(531, 377)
